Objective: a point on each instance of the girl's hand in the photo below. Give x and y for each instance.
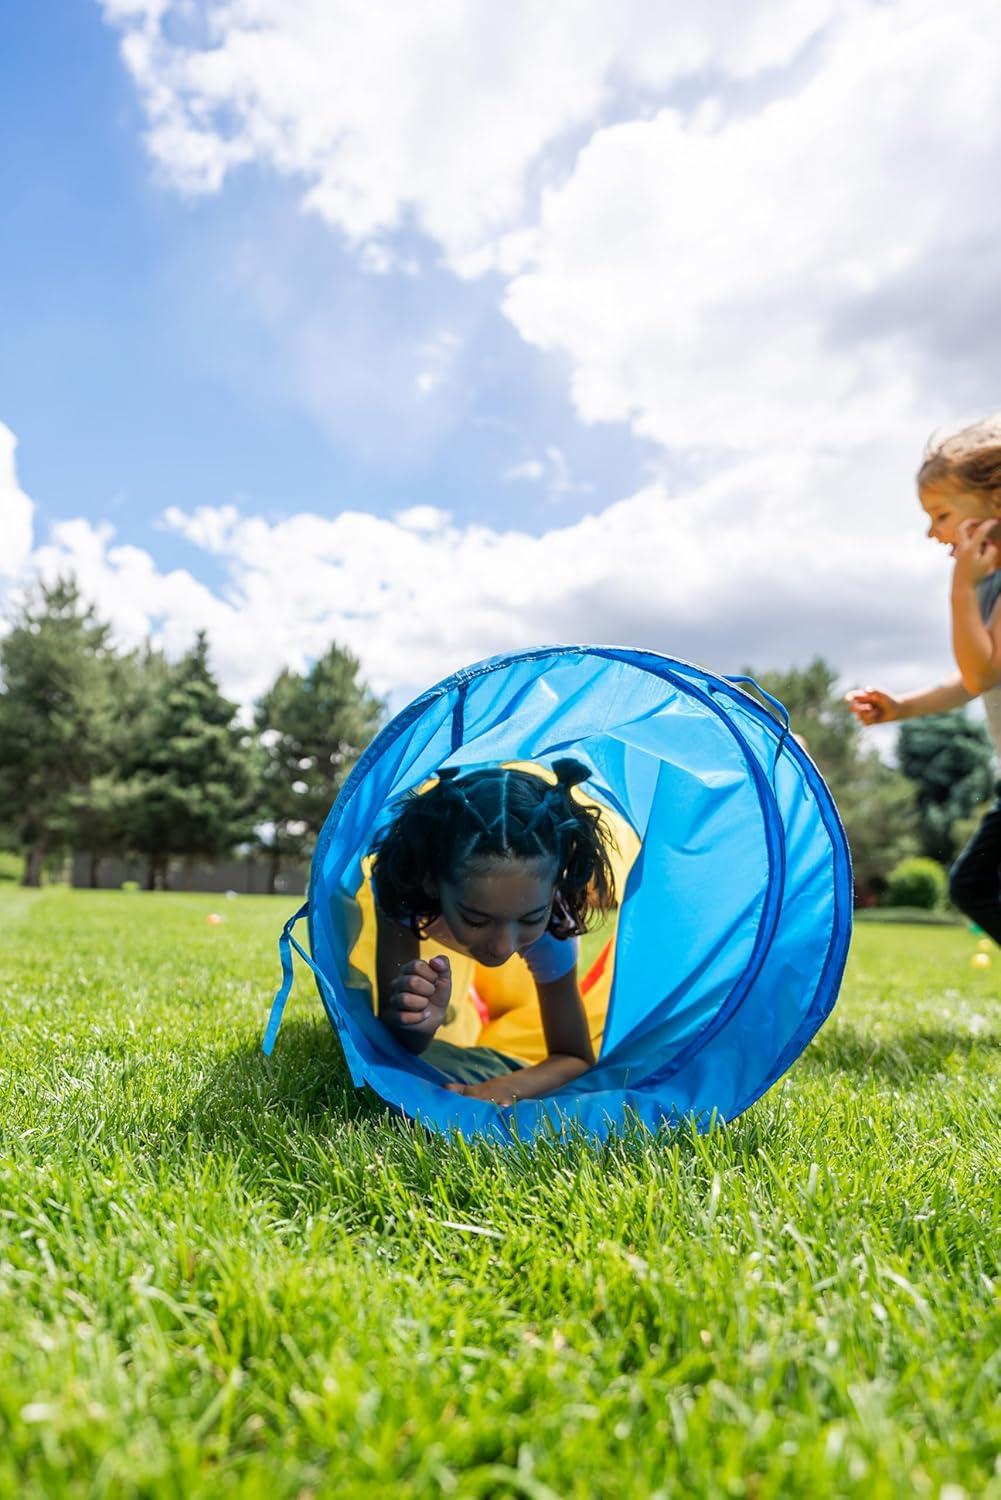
(497, 1090)
(976, 550)
(870, 706)
(419, 995)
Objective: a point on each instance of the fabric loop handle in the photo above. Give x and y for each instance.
(779, 708)
(285, 945)
(782, 713)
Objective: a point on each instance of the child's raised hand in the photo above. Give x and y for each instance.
(976, 549)
(419, 995)
(870, 706)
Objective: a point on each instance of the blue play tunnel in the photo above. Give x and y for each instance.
(734, 922)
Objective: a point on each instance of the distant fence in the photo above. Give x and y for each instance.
(247, 876)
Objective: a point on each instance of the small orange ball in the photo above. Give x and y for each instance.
(213, 919)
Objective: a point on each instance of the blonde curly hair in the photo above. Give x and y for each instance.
(969, 459)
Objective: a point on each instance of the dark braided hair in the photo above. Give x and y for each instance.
(495, 814)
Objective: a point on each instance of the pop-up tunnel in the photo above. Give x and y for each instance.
(735, 917)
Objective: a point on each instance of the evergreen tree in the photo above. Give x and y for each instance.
(877, 808)
(103, 821)
(312, 729)
(56, 715)
(875, 801)
(949, 760)
(191, 780)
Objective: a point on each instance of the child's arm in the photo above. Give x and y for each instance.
(870, 706)
(564, 1023)
(976, 645)
(413, 995)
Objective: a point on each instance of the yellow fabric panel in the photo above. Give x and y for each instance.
(505, 988)
(518, 1029)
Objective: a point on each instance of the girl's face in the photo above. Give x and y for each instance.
(946, 505)
(497, 907)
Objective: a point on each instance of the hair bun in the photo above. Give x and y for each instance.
(448, 773)
(569, 772)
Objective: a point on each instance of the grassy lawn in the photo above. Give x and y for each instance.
(224, 1277)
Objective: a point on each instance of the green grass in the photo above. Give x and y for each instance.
(221, 1277)
(912, 914)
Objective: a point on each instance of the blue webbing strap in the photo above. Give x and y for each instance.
(459, 717)
(285, 945)
(780, 709)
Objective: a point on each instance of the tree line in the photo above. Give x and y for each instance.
(124, 753)
(928, 804)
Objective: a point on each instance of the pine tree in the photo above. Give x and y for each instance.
(876, 802)
(103, 823)
(312, 729)
(56, 717)
(949, 760)
(191, 780)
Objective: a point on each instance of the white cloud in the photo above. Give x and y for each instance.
(532, 469)
(435, 112)
(783, 279)
(208, 527)
(555, 470)
(427, 518)
(785, 276)
(131, 592)
(437, 358)
(562, 482)
(146, 12)
(379, 260)
(16, 511)
(784, 256)
(747, 567)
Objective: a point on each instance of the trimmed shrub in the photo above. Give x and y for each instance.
(917, 882)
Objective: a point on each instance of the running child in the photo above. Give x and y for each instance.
(959, 486)
(491, 863)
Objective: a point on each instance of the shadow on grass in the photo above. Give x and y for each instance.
(250, 1102)
(898, 1057)
(305, 1083)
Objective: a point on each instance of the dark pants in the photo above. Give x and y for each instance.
(975, 878)
(469, 1064)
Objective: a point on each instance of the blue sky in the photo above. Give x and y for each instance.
(140, 370)
(440, 336)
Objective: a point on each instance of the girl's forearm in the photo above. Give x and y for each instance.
(936, 700)
(972, 644)
(545, 1077)
(413, 1041)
